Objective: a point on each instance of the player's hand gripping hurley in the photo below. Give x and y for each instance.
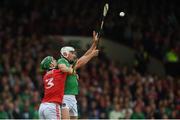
(105, 10)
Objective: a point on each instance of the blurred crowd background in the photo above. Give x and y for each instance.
(107, 90)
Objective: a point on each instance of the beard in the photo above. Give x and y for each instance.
(73, 60)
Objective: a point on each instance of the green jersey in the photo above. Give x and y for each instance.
(71, 84)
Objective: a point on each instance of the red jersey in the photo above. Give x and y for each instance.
(54, 81)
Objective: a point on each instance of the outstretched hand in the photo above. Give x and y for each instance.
(95, 37)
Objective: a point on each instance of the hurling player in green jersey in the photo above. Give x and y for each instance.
(69, 59)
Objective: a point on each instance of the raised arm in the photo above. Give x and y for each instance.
(86, 58)
(94, 44)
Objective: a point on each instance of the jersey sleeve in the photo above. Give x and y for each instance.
(63, 61)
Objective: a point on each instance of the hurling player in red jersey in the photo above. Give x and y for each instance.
(54, 80)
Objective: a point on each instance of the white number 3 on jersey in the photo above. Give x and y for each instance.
(49, 83)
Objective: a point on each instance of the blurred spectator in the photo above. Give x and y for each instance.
(141, 60)
(3, 113)
(117, 112)
(127, 109)
(172, 56)
(137, 114)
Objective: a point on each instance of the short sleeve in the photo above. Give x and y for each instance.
(63, 61)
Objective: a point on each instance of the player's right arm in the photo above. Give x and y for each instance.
(64, 67)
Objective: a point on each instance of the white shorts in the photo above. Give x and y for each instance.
(69, 101)
(49, 111)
